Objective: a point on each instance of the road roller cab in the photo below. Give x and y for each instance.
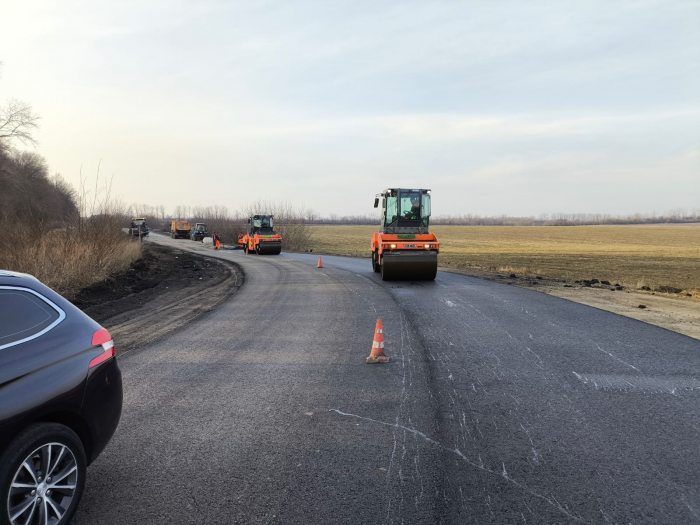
(403, 248)
(260, 236)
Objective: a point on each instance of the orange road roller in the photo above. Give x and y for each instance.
(260, 238)
(403, 248)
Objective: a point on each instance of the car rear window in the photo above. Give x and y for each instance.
(24, 315)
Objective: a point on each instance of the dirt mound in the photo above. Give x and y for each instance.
(160, 292)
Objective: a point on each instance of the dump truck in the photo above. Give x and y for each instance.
(138, 227)
(260, 237)
(199, 231)
(403, 248)
(179, 230)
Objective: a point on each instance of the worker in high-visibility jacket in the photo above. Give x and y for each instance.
(414, 211)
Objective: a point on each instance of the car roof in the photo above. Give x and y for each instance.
(16, 278)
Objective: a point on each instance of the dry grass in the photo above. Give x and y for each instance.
(650, 255)
(69, 259)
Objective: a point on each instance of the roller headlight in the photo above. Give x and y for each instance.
(393, 246)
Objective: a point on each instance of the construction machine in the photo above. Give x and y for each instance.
(199, 231)
(260, 237)
(138, 227)
(179, 229)
(403, 248)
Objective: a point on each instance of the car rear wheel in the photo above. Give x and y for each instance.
(42, 475)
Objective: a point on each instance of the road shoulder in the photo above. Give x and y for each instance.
(161, 292)
(678, 314)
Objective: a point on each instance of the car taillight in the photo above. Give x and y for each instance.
(103, 339)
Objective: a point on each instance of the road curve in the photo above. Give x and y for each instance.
(499, 405)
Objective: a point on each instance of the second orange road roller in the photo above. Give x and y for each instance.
(403, 248)
(260, 237)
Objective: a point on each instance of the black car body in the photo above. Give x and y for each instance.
(59, 380)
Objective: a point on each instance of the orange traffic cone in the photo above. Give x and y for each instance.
(377, 353)
(320, 264)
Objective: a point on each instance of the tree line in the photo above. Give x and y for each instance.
(221, 214)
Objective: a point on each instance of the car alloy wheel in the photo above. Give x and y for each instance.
(44, 486)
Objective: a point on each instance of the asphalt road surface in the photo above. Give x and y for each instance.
(499, 405)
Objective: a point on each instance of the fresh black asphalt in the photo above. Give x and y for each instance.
(498, 405)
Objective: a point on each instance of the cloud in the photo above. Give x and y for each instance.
(499, 107)
(451, 128)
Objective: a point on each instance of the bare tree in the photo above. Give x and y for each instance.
(29, 165)
(183, 213)
(18, 122)
(29, 195)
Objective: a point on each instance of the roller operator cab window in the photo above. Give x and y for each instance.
(392, 211)
(262, 222)
(425, 208)
(410, 205)
(23, 315)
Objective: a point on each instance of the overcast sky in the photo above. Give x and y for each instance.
(515, 108)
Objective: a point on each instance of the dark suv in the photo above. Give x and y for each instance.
(60, 401)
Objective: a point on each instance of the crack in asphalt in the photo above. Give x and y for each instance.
(503, 474)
